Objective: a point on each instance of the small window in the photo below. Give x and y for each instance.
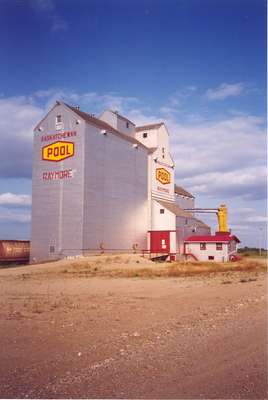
(144, 135)
(211, 257)
(186, 221)
(203, 246)
(52, 249)
(127, 124)
(218, 246)
(162, 211)
(58, 119)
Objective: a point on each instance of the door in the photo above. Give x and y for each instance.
(160, 241)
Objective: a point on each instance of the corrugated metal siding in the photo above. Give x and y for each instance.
(115, 193)
(57, 206)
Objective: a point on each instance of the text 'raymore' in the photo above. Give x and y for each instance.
(54, 175)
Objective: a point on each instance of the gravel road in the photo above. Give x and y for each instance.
(175, 338)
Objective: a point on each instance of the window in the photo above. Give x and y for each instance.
(127, 124)
(211, 257)
(52, 249)
(162, 211)
(203, 246)
(218, 246)
(58, 119)
(163, 152)
(144, 135)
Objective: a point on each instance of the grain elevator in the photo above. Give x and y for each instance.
(105, 185)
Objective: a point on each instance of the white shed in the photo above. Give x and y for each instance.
(219, 247)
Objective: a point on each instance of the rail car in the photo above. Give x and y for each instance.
(17, 251)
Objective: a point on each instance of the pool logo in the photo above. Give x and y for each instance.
(163, 176)
(58, 151)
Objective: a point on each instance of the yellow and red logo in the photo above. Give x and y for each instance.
(163, 176)
(58, 151)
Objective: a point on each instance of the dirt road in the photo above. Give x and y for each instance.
(81, 336)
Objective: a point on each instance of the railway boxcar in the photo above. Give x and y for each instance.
(14, 251)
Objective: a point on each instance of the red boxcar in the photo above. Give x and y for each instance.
(14, 250)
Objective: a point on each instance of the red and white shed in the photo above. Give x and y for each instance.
(219, 247)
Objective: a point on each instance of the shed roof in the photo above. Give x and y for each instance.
(181, 191)
(219, 238)
(179, 212)
(175, 209)
(148, 127)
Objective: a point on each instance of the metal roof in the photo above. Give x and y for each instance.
(179, 212)
(148, 127)
(219, 238)
(103, 125)
(175, 209)
(181, 191)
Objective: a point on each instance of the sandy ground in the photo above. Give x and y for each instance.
(124, 327)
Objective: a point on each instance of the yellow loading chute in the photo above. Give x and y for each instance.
(222, 218)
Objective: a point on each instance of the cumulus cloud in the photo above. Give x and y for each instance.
(18, 116)
(225, 90)
(225, 156)
(7, 199)
(248, 183)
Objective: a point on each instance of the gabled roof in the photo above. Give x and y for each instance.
(180, 191)
(148, 127)
(219, 238)
(103, 125)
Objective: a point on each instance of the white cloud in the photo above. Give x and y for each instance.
(7, 199)
(18, 116)
(256, 218)
(225, 90)
(9, 215)
(225, 156)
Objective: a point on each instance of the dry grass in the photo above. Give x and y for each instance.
(132, 266)
(118, 267)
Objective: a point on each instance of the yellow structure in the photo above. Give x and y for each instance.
(222, 218)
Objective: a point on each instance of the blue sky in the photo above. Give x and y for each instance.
(200, 66)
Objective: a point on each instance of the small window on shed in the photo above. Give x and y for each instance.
(203, 246)
(144, 135)
(211, 257)
(58, 119)
(162, 211)
(127, 124)
(218, 246)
